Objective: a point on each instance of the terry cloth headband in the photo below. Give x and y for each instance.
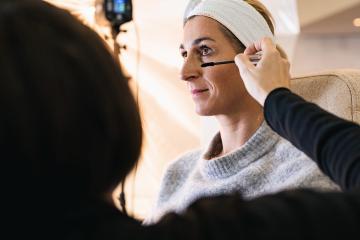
(239, 17)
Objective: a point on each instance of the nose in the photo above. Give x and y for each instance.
(190, 69)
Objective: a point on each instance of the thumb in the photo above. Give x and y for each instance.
(243, 63)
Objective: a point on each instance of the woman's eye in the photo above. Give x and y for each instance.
(183, 54)
(205, 51)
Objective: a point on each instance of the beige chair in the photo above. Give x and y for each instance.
(337, 91)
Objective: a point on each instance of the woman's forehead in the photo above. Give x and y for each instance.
(201, 27)
(201, 22)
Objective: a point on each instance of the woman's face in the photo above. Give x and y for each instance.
(216, 90)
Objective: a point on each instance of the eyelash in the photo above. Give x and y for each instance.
(204, 47)
(200, 51)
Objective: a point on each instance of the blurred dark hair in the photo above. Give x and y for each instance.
(69, 125)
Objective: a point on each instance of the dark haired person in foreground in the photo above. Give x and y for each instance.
(71, 131)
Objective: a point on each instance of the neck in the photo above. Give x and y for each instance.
(236, 129)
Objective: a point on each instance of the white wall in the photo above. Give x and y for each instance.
(313, 10)
(314, 53)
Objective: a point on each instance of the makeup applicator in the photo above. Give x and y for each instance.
(253, 58)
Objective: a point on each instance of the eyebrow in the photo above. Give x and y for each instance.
(197, 41)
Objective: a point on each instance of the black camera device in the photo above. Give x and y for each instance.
(118, 12)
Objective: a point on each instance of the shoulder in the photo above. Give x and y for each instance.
(302, 172)
(179, 169)
(184, 163)
(287, 149)
(177, 172)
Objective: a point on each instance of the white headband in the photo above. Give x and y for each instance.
(239, 17)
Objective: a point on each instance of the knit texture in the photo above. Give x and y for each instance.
(265, 164)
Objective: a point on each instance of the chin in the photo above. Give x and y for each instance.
(203, 112)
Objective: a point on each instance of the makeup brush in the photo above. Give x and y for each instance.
(253, 58)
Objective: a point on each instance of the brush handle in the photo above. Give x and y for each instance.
(210, 64)
(253, 58)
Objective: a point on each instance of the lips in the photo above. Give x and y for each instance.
(198, 91)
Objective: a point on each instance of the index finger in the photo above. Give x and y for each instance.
(253, 48)
(264, 44)
(267, 45)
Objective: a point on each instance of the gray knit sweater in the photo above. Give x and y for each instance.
(266, 163)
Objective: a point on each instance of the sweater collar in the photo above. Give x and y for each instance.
(225, 166)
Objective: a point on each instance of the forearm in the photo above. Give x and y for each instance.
(300, 214)
(332, 142)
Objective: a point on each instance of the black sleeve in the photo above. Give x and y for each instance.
(332, 142)
(297, 214)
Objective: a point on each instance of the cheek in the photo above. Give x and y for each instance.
(226, 80)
